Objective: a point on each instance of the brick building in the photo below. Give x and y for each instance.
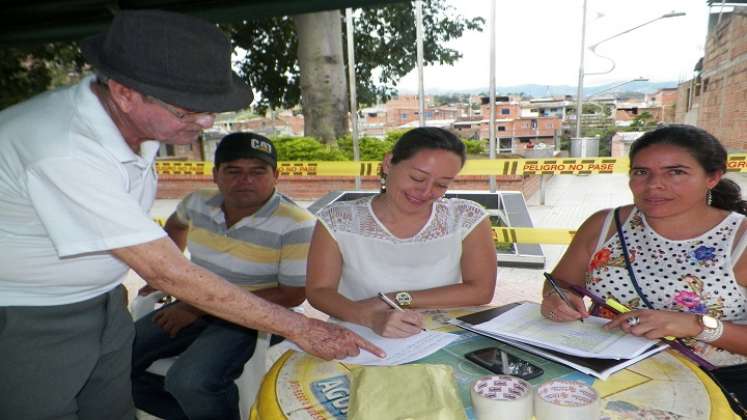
(665, 100)
(716, 97)
(516, 125)
(626, 112)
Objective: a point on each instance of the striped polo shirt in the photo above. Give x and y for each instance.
(257, 252)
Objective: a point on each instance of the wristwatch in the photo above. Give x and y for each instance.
(713, 328)
(404, 299)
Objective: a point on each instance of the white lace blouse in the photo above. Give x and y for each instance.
(374, 260)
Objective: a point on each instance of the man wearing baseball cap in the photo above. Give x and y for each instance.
(77, 180)
(248, 233)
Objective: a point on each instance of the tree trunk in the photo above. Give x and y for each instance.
(323, 83)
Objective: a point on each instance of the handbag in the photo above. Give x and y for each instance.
(725, 377)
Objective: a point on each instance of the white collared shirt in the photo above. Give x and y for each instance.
(71, 190)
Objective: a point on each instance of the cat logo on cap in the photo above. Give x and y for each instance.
(261, 145)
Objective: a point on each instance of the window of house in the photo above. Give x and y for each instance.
(504, 145)
(501, 128)
(505, 111)
(534, 123)
(402, 116)
(428, 114)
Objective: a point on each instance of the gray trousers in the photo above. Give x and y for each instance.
(68, 362)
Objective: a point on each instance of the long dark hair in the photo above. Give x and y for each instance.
(709, 153)
(421, 138)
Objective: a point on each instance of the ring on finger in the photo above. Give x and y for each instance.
(633, 321)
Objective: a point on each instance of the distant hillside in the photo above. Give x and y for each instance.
(537, 91)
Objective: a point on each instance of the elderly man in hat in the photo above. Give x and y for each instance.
(76, 182)
(251, 235)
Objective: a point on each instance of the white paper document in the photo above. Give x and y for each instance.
(398, 350)
(526, 324)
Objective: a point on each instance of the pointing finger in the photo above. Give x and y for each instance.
(368, 346)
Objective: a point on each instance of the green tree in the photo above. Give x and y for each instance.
(476, 147)
(394, 135)
(385, 51)
(440, 100)
(305, 148)
(642, 122)
(384, 46)
(370, 148)
(27, 71)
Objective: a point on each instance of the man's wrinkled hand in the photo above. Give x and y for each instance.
(146, 290)
(175, 317)
(330, 341)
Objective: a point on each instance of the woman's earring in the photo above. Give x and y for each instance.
(382, 180)
(709, 197)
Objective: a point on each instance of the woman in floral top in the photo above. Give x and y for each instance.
(685, 239)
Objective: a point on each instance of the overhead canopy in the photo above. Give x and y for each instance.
(33, 21)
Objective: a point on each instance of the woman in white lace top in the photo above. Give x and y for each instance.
(685, 237)
(421, 250)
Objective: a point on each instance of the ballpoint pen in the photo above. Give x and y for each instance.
(560, 293)
(391, 303)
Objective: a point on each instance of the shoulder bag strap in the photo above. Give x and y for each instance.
(677, 344)
(626, 256)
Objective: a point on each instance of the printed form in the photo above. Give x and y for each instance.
(398, 350)
(525, 323)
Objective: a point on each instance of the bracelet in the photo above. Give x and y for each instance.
(709, 335)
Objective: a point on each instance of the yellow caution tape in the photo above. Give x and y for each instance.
(527, 235)
(736, 162)
(520, 235)
(336, 168)
(184, 167)
(557, 166)
(545, 166)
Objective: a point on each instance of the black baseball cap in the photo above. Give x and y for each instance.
(246, 146)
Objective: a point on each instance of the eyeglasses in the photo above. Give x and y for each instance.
(179, 113)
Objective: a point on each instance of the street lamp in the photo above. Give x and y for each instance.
(612, 88)
(637, 79)
(581, 74)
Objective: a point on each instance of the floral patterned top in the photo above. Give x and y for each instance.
(693, 275)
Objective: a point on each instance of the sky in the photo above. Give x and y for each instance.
(539, 42)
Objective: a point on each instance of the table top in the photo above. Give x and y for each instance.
(665, 386)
